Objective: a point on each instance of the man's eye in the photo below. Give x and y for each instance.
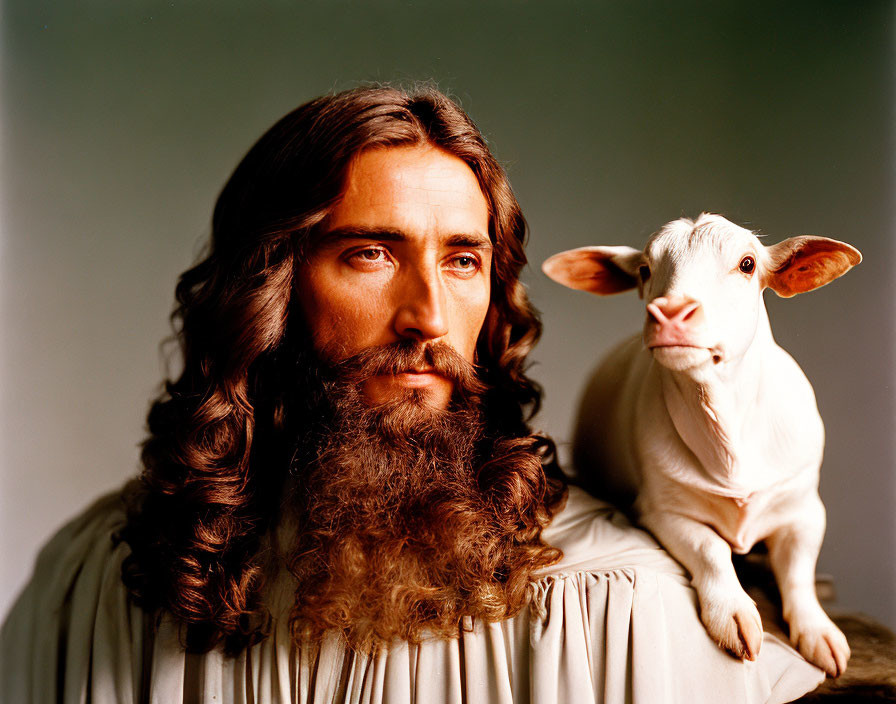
(371, 254)
(465, 262)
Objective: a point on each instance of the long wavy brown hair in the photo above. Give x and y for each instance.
(223, 435)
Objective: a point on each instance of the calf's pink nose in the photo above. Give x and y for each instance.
(676, 311)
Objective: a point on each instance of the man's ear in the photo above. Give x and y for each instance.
(804, 263)
(600, 270)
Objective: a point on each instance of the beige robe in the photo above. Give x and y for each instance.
(618, 623)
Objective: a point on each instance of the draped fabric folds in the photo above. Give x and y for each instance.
(614, 621)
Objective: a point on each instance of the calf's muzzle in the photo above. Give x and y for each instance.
(673, 321)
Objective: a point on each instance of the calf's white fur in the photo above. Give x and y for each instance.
(706, 427)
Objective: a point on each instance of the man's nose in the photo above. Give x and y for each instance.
(421, 308)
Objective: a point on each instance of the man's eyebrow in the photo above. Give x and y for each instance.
(361, 232)
(472, 240)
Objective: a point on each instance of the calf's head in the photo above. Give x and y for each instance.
(702, 282)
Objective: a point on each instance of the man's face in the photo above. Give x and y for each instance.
(405, 254)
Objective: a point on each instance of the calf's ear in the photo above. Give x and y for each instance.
(804, 263)
(600, 270)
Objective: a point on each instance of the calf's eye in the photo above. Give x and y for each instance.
(644, 271)
(747, 264)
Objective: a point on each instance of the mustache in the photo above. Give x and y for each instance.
(409, 356)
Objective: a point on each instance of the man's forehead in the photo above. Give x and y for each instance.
(423, 185)
(415, 167)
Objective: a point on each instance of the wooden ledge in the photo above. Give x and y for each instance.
(871, 674)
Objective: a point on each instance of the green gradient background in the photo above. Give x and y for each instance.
(121, 121)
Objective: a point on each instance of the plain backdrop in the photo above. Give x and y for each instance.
(121, 122)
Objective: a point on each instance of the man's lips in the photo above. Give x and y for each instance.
(416, 378)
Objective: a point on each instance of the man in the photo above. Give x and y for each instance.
(341, 496)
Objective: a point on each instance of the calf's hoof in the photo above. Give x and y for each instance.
(820, 642)
(734, 623)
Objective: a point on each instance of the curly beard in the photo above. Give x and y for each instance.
(409, 518)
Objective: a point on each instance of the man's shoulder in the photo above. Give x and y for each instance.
(597, 537)
(70, 610)
(86, 531)
(83, 544)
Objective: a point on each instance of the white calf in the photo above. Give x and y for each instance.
(709, 427)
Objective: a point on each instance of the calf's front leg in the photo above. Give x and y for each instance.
(727, 612)
(793, 551)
